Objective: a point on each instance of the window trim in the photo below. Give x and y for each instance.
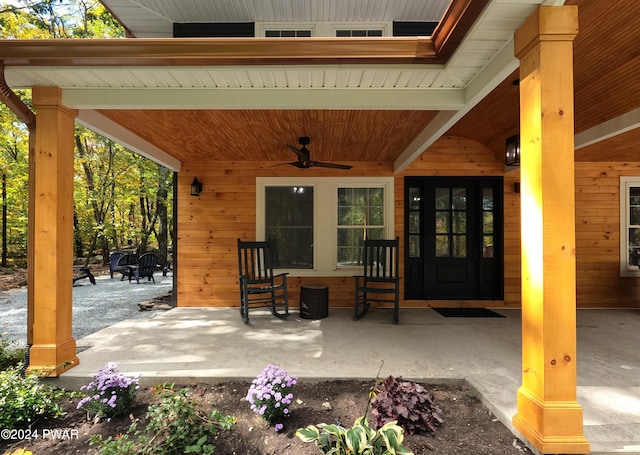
(325, 200)
(625, 184)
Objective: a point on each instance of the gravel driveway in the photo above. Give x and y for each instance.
(94, 307)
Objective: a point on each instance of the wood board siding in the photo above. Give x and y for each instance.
(209, 225)
(598, 280)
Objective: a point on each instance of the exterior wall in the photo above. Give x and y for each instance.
(209, 225)
(599, 283)
(455, 156)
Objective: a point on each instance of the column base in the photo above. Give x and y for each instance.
(51, 360)
(551, 426)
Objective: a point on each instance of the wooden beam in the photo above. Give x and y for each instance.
(548, 414)
(217, 51)
(50, 250)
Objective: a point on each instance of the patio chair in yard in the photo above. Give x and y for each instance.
(113, 261)
(125, 265)
(259, 288)
(146, 266)
(380, 282)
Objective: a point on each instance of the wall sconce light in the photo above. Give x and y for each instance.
(196, 187)
(512, 157)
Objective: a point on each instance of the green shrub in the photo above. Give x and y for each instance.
(359, 440)
(24, 399)
(177, 425)
(10, 356)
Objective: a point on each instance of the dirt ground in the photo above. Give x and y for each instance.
(468, 428)
(11, 278)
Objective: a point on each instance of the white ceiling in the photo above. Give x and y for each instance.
(483, 60)
(155, 18)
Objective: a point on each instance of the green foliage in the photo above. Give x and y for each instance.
(24, 399)
(410, 404)
(10, 355)
(117, 193)
(361, 439)
(177, 425)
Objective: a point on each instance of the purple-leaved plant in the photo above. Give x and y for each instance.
(110, 393)
(270, 395)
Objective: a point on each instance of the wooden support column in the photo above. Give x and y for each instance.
(50, 249)
(548, 414)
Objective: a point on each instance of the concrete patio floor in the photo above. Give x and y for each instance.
(187, 345)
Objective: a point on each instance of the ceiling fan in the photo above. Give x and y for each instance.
(304, 160)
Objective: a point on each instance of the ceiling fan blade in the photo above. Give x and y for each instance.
(330, 165)
(294, 163)
(298, 152)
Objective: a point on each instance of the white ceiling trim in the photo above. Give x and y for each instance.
(332, 76)
(496, 72)
(622, 124)
(108, 128)
(348, 99)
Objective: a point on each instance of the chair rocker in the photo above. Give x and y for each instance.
(380, 282)
(258, 288)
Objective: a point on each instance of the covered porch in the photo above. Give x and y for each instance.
(190, 345)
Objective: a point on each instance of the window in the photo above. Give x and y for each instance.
(289, 222)
(629, 226)
(318, 224)
(357, 33)
(287, 33)
(360, 216)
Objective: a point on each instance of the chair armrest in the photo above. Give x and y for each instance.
(283, 277)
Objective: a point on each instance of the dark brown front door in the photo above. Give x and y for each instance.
(454, 238)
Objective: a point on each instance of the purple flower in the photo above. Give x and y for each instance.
(269, 394)
(278, 427)
(110, 392)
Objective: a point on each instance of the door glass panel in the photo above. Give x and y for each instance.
(442, 199)
(414, 198)
(459, 222)
(487, 199)
(442, 246)
(487, 222)
(459, 246)
(414, 246)
(459, 198)
(414, 222)
(487, 246)
(442, 223)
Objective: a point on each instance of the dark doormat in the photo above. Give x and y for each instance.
(467, 313)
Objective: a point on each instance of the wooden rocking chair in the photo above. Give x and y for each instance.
(380, 282)
(259, 288)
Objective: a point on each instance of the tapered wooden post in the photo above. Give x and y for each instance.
(548, 414)
(50, 249)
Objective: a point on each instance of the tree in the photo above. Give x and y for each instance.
(120, 198)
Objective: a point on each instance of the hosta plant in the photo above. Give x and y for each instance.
(361, 439)
(407, 403)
